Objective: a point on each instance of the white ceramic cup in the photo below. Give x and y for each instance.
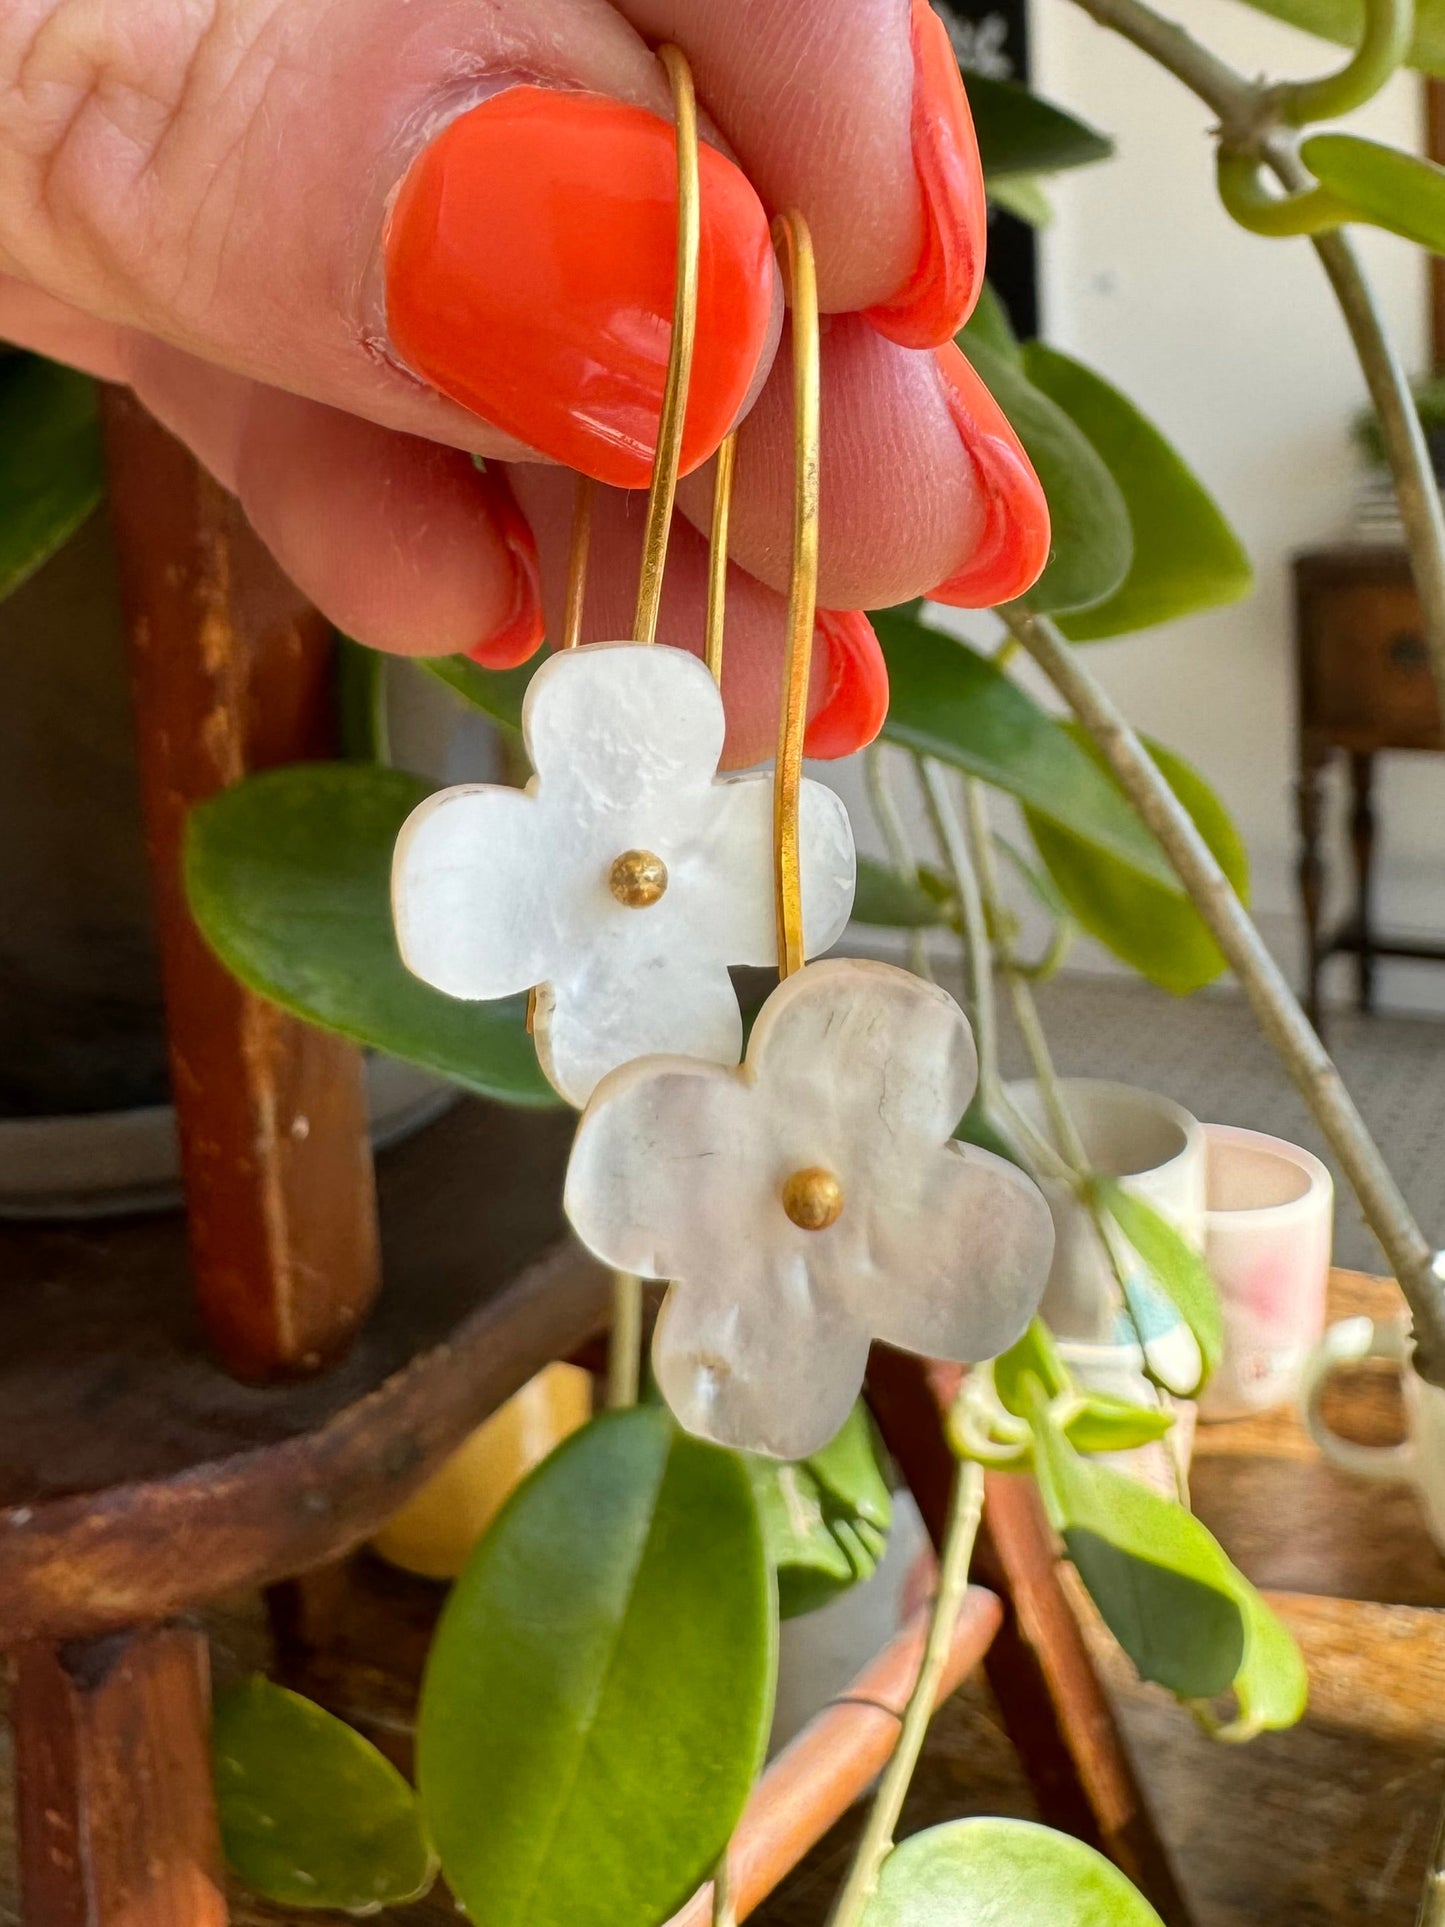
(1420, 1459)
(1268, 1228)
(1156, 1149)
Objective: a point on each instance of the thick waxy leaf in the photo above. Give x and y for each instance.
(1175, 1267)
(311, 1814)
(1402, 192)
(1165, 1590)
(885, 897)
(1023, 195)
(50, 462)
(1021, 133)
(598, 1693)
(950, 702)
(1101, 1424)
(1343, 22)
(1272, 1687)
(825, 1519)
(497, 693)
(1109, 1424)
(1091, 546)
(989, 324)
(1002, 1873)
(1154, 928)
(289, 877)
(1185, 555)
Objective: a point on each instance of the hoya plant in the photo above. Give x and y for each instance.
(597, 1698)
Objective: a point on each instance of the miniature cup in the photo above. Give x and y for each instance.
(1267, 1231)
(1420, 1459)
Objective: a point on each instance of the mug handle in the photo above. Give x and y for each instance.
(1349, 1342)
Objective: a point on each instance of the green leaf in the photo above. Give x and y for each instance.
(1176, 1267)
(1002, 1873)
(1153, 928)
(1163, 1587)
(1091, 543)
(1185, 555)
(948, 701)
(598, 1693)
(825, 1519)
(1033, 1356)
(497, 693)
(1107, 1424)
(1272, 1686)
(289, 877)
(1401, 192)
(989, 324)
(1343, 21)
(361, 699)
(1019, 132)
(51, 474)
(885, 897)
(1024, 196)
(311, 1814)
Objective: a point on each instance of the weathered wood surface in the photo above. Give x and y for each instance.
(231, 672)
(117, 1827)
(137, 1478)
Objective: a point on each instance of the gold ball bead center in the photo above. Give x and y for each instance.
(813, 1199)
(637, 878)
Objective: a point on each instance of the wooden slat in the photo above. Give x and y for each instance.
(117, 1825)
(231, 673)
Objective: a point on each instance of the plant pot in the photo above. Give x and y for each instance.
(85, 1128)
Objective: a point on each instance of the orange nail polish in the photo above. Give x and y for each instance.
(855, 698)
(1014, 545)
(939, 295)
(520, 634)
(530, 265)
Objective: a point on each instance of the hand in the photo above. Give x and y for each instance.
(342, 246)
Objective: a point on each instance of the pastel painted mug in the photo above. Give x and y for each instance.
(1268, 1223)
(1420, 1459)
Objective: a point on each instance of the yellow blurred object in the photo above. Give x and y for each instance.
(434, 1533)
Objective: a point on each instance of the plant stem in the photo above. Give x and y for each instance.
(723, 1914)
(1389, 28)
(624, 1347)
(1249, 113)
(1280, 1017)
(935, 781)
(900, 851)
(877, 1841)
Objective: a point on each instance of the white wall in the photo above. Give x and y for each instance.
(1234, 346)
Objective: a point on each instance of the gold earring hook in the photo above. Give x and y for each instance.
(717, 556)
(795, 246)
(679, 360)
(577, 549)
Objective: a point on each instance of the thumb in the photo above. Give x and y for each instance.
(337, 196)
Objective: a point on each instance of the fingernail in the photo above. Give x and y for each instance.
(1014, 545)
(530, 265)
(939, 295)
(855, 696)
(520, 633)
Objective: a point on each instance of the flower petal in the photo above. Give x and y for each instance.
(871, 1048)
(958, 1266)
(619, 724)
(614, 1005)
(473, 917)
(740, 919)
(664, 1170)
(756, 1359)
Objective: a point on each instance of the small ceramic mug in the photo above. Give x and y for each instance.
(1268, 1224)
(1420, 1459)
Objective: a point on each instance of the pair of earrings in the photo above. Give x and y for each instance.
(811, 1197)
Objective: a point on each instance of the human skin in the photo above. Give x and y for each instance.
(214, 201)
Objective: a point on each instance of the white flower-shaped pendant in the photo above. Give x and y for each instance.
(625, 878)
(807, 1202)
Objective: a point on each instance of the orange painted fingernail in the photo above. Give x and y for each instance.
(855, 696)
(520, 633)
(530, 266)
(939, 295)
(1014, 546)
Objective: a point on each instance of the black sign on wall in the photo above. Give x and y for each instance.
(992, 37)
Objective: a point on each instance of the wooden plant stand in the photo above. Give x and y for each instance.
(190, 1408)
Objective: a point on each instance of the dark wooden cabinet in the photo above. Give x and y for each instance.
(1364, 686)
